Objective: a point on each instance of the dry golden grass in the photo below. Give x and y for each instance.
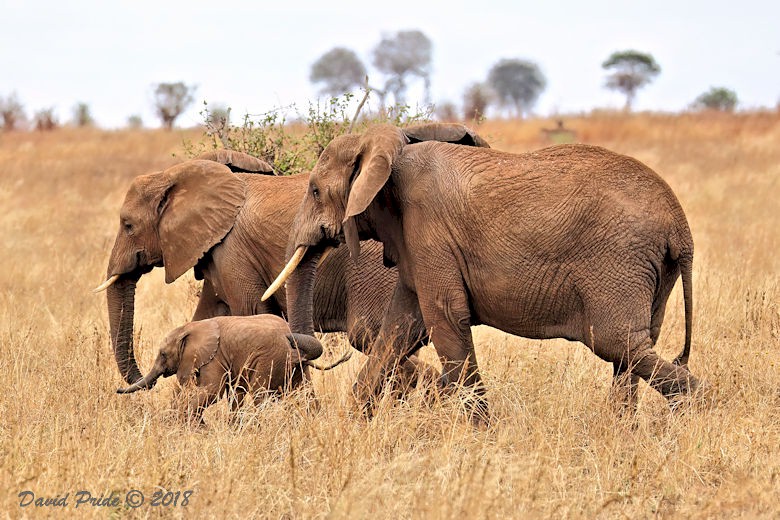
(556, 447)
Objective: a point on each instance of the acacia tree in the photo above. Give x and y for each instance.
(135, 122)
(339, 70)
(45, 120)
(11, 112)
(717, 98)
(476, 99)
(399, 57)
(82, 116)
(629, 71)
(171, 100)
(517, 83)
(404, 54)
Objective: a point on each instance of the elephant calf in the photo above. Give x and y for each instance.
(245, 354)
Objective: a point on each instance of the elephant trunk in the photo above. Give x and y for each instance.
(309, 346)
(300, 296)
(121, 308)
(145, 383)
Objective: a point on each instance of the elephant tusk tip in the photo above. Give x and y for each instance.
(286, 272)
(105, 285)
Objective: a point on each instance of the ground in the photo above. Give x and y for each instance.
(556, 447)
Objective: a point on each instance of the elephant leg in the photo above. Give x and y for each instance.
(410, 369)
(624, 388)
(209, 304)
(395, 340)
(641, 360)
(194, 400)
(236, 401)
(448, 317)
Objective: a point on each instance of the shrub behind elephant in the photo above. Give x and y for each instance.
(255, 355)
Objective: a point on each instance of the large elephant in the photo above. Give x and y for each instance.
(233, 228)
(571, 241)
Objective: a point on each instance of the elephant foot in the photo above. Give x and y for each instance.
(701, 395)
(414, 374)
(472, 401)
(478, 413)
(624, 394)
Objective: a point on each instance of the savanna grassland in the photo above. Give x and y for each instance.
(556, 448)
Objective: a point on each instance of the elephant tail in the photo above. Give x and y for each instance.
(686, 268)
(342, 359)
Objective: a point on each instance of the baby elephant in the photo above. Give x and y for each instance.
(245, 354)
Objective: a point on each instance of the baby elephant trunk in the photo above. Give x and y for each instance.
(145, 383)
(309, 346)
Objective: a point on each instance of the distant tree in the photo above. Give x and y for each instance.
(476, 99)
(404, 54)
(517, 83)
(717, 98)
(171, 100)
(45, 120)
(135, 122)
(629, 71)
(217, 119)
(82, 115)
(446, 111)
(339, 71)
(12, 112)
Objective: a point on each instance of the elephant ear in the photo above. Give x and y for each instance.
(238, 162)
(198, 346)
(378, 149)
(454, 133)
(196, 212)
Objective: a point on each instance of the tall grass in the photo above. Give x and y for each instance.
(555, 448)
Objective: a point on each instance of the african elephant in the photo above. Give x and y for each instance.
(242, 354)
(233, 228)
(570, 241)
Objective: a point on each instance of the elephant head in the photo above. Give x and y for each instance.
(183, 352)
(349, 174)
(169, 218)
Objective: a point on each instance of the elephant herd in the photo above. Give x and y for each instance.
(441, 233)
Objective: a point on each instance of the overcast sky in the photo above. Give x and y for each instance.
(253, 56)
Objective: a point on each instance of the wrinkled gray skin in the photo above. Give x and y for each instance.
(571, 241)
(233, 228)
(243, 354)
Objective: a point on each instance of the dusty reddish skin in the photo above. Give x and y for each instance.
(237, 253)
(233, 229)
(253, 355)
(571, 241)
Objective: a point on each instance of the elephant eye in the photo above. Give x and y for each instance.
(315, 193)
(128, 227)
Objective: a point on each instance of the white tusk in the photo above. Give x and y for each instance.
(105, 285)
(324, 255)
(286, 272)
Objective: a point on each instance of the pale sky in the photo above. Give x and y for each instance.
(253, 57)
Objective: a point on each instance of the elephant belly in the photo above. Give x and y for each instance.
(537, 303)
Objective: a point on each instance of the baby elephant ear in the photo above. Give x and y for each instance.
(379, 147)
(198, 346)
(454, 133)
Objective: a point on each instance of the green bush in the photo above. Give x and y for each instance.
(293, 146)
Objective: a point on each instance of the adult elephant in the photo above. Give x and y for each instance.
(233, 228)
(571, 241)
